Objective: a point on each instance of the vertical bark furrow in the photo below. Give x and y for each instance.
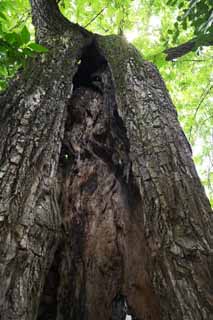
(32, 126)
(177, 215)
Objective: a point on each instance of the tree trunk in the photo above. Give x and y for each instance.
(102, 214)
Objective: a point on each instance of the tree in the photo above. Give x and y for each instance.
(102, 211)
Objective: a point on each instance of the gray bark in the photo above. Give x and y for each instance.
(177, 214)
(33, 112)
(102, 213)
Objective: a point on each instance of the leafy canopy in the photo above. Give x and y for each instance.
(152, 26)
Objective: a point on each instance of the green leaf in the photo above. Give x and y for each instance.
(13, 39)
(2, 16)
(184, 24)
(3, 47)
(27, 52)
(25, 35)
(171, 2)
(3, 70)
(37, 47)
(160, 59)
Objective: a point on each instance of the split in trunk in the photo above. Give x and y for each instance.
(102, 212)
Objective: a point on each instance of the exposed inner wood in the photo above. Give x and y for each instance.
(101, 270)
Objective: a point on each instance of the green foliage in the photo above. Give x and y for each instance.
(152, 26)
(111, 16)
(197, 14)
(16, 38)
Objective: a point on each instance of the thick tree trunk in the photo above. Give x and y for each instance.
(102, 213)
(33, 113)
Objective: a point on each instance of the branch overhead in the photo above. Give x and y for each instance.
(48, 19)
(46, 14)
(181, 50)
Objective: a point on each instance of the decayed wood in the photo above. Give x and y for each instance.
(105, 254)
(101, 209)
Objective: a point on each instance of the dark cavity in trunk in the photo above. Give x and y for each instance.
(94, 146)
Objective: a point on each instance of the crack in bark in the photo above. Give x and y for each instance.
(97, 201)
(128, 192)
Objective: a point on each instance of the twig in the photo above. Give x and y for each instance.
(203, 97)
(21, 20)
(192, 60)
(204, 121)
(95, 17)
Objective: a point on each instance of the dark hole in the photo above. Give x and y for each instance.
(121, 309)
(48, 303)
(90, 62)
(66, 156)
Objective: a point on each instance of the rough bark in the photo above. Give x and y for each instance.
(102, 213)
(49, 22)
(177, 214)
(33, 112)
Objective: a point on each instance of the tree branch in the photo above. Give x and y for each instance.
(203, 97)
(95, 17)
(46, 15)
(181, 50)
(48, 19)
